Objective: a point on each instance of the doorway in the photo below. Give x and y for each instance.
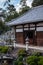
(30, 35)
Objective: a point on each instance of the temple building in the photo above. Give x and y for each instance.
(29, 25)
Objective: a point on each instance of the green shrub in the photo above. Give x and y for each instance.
(32, 60)
(0, 49)
(15, 62)
(22, 53)
(32, 63)
(37, 54)
(40, 57)
(3, 49)
(20, 58)
(40, 62)
(20, 63)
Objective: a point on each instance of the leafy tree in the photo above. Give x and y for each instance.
(24, 9)
(7, 2)
(3, 27)
(12, 13)
(3, 14)
(10, 17)
(23, 2)
(37, 3)
(11, 9)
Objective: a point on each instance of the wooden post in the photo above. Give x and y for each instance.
(29, 27)
(23, 35)
(29, 31)
(14, 36)
(15, 32)
(35, 36)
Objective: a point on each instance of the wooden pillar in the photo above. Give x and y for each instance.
(35, 36)
(23, 35)
(15, 33)
(29, 27)
(29, 30)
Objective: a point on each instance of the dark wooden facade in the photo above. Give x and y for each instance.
(31, 30)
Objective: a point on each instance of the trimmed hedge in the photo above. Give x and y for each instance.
(3, 49)
(34, 60)
(40, 62)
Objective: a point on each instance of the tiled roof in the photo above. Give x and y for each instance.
(34, 15)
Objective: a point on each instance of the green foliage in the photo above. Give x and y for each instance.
(3, 28)
(1, 24)
(12, 13)
(35, 59)
(21, 52)
(37, 54)
(40, 62)
(20, 63)
(32, 60)
(24, 9)
(16, 62)
(20, 58)
(3, 49)
(23, 2)
(10, 17)
(37, 3)
(11, 8)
